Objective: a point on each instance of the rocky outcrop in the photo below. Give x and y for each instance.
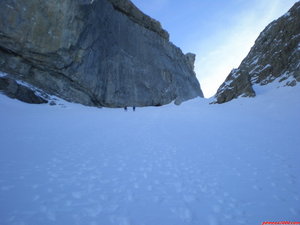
(236, 84)
(13, 89)
(139, 17)
(191, 57)
(275, 56)
(94, 52)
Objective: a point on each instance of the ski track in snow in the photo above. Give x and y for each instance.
(236, 163)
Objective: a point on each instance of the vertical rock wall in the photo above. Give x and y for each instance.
(100, 53)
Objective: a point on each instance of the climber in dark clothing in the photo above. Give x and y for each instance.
(133, 108)
(125, 108)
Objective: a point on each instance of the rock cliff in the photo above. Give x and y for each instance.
(15, 89)
(94, 52)
(275, 56)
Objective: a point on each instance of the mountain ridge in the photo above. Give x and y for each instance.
(275, 55)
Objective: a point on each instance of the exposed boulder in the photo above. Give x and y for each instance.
(94, 52)
(275, 56)
(18, 91)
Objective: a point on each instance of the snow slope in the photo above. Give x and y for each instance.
(235, 163)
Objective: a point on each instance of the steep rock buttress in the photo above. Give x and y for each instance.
(94, 52)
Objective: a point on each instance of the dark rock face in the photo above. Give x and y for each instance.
(275, 56)
(15, 90)
(94, 52)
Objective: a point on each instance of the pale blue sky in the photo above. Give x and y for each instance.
(220, 32)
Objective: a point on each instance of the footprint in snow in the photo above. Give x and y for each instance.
(68, 203)
(136, 186)
(257, 188)
(51, 216)
(189, 198)
(76, 195)
(117, 220)
(216, 208)
(130, 197)
(113, 208)
(178, 187)
(7, 188)
(145, 175)
(95, 211)
(36, 198)
(184, 214)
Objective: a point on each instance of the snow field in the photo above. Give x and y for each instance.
(236, 163)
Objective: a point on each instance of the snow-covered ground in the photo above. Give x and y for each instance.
(200, 164)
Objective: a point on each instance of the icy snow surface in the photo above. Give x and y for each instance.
(236, 163)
